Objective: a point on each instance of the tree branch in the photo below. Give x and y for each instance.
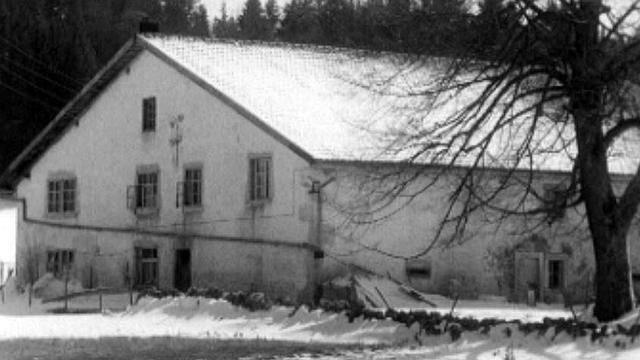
(622, 126)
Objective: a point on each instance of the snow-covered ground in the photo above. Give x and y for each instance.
(198, 328)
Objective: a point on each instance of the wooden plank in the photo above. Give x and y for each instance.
(97, 291)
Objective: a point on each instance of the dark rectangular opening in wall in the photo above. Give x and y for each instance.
(418, 268)
(58, 261)
(556, 274)
(182, 280)
(146, 267)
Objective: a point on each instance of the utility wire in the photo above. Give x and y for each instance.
(36, 73)
(42, 63)
(18, 92)
(44, 91)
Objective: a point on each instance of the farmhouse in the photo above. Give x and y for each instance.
(244, 166)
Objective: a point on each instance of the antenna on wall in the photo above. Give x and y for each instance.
(176, 137)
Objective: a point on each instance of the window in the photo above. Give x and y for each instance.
(146, 266)
(61, 196)
(149, 114)
(260, 179)
(147, 190)
(192, 187)
(555, 199)
(555, 273)
(418, 268)
(59, 261)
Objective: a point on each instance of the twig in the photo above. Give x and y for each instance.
(450, 316)
(411, 291)
(382, 297)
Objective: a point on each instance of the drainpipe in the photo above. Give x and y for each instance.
(316, 188)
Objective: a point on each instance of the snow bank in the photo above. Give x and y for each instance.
(224, 320)
(183, 319)
(11, 288)
(48, 286)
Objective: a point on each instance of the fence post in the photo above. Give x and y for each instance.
(66, 289)
(130, 284)
(90, 276)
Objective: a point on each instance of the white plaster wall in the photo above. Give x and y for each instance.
(8, 227)
(412, 229)
(106, 258)
(105, 147)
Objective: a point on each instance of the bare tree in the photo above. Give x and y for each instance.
(560, 85)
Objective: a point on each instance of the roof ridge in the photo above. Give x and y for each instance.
(294, 45)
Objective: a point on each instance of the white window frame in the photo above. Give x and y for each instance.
(147, 194)
(59, 260)
(62, 195)
(149, 114)
(192, 188)
(260, 181)
(144, 264)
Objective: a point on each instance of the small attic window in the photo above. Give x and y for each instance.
(418, 268)
(260, 179)
(149, 114)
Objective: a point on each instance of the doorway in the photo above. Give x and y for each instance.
(528, 270)
(182, 278)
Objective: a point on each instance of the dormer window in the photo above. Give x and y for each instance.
(149, 114)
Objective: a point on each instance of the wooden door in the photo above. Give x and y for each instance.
(183, 269)
(528, 275)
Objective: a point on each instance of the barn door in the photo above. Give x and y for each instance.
(183, 269)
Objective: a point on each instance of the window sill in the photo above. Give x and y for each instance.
(192, 209)
(147, 212)
(148, 135)
(65, 215)
(258, 203)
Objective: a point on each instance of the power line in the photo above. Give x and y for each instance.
(45, 91)
(44, 77)
(48, 66)
(28, 97)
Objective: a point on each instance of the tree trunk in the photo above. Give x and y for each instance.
(608, 224)
(614, 294)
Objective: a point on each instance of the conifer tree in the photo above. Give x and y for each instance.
(200, 22)
(272, 14)
(252, 21)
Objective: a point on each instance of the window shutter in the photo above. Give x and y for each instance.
(180, 193)
(131, 197)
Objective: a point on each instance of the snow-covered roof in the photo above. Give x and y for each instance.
(309, 94)
(343, 104)
(324, 103)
